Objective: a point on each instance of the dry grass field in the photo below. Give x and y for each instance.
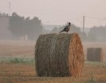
(17, 48)
(24, 73)
(17, 65)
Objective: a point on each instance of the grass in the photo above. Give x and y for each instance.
(18, 60)
(91, 80)
(22, 61)
(22, 69)
(19, 70)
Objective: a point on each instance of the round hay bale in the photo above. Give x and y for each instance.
(95, 54)
(59, 55)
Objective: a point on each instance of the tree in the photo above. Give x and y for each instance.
(16, 24)
(92, 37)
(98, 33)
(83, 36)
(55, 30)
(35, 28)
(20, 26)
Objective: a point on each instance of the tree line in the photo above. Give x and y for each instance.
(21, 26)
(95, 33)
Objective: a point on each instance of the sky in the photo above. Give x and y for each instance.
(59, 12)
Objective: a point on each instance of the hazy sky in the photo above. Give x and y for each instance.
(59, 11)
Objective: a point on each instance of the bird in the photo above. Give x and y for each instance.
(66, 28)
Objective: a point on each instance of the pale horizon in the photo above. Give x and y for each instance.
(59, 12)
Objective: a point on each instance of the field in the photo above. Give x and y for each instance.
(17, 65)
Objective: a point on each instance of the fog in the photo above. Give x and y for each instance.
(26, 20)
(59, 11)
(23, 21)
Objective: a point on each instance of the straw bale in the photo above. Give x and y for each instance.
(95, 54)
(59, 55)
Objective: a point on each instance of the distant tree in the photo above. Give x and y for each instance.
(16, 24)
(35, 28)
(75, 29)
(83, 36)
(20, 26)
(0, 14)
(55, 30)
(91, 37)
(98, 33)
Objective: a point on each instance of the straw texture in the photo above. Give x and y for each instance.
(59, 55)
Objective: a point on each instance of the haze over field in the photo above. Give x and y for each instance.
(21, 23)
(59, 11)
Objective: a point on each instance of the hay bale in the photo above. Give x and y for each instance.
(95, 54)
(90, 54)
(59, 55)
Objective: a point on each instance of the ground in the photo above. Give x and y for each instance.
(17, 65)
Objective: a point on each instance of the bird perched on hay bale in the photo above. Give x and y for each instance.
(66, 28)
(59, 59)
